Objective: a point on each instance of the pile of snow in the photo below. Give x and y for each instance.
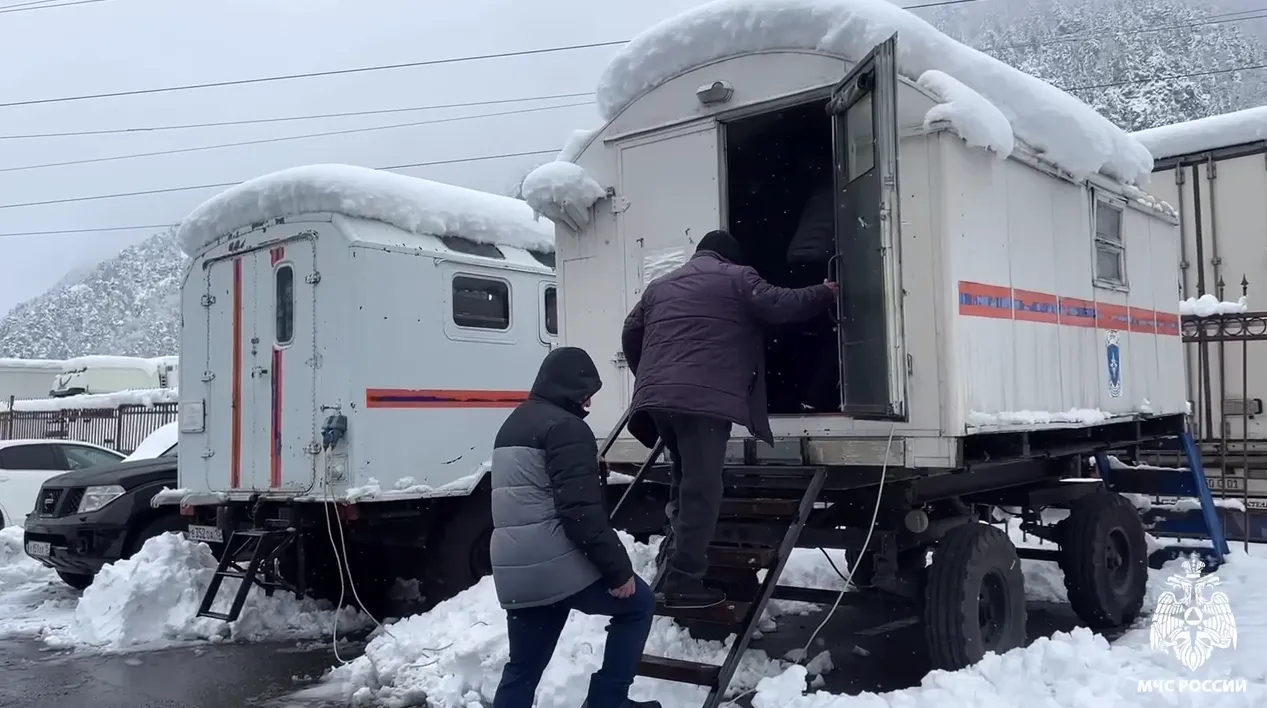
(147, 397)
(1064, 129)
(452, 656)
(976, 120)
(1208, 306)
(562, 192)
(31, 596)
(1237, 128)
(152, 599)
(415, 205)
(1075, 416)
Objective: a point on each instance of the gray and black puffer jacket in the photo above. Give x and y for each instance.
(551, 537)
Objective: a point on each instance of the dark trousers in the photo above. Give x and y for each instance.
(697, 446)
(534, 632)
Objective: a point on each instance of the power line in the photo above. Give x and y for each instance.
(265, 141)
(88, 231)
(357, 70)
(1212, 72)
(1224, 18)
(312, 74)
(283, 119)
(188, 188)
(23, 7)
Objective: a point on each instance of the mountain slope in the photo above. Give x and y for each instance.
(128, 305)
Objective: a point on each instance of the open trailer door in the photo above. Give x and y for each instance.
(864, 141)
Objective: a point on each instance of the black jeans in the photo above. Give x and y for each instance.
(534, 633)
(697, 446)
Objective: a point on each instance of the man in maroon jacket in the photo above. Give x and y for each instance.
(695, 345)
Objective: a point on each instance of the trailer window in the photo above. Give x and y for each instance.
(552, 311)
(474, 248)
(284, 304)
(482, 303)
(1110, 254)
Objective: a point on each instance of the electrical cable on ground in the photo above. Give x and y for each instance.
(875, 514)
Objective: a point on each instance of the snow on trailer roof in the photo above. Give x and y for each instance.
(1226, 130)
(416, 205)
(119, 362)
(1062, 128)
(49, 364)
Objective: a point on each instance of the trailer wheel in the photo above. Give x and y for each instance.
(974, 600)
(458, 556)
(1104, 556)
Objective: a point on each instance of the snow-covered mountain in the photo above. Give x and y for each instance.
(128, 305)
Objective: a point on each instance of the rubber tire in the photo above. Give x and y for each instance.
(1084, 545)
(961, 562)
(458, 554)
(155, 527)
(78, 581)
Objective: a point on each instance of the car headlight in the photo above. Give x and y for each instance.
(97, 497)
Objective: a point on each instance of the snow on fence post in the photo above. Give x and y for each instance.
(8, 414)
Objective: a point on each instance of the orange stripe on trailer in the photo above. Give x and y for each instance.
(442, 398)
(981, 300)
(235, 461)
(1030, 306)
(1001, 303)
(275, 440)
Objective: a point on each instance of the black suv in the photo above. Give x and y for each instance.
(89, 518)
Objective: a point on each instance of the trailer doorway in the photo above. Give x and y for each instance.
(810, 193)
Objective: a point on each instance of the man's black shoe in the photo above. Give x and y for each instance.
(680, 593)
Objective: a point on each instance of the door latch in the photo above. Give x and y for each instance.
(258, 370)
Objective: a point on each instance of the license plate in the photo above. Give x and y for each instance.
(38, 548)
(206, 534)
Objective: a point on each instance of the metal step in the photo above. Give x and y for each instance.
(759, 508)
(665, 669)
(730, 612)
(754, 558)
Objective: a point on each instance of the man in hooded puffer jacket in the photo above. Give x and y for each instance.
(553, 548)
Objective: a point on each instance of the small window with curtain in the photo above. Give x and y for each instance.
(481, 303)
(284, 304)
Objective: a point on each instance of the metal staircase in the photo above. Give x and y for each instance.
(761, 520)
(262, 548)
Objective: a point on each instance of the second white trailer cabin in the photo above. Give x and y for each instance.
(27, 378)
(357, 337)
(1008, 303)
(1214, 171)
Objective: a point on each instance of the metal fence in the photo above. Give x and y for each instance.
(121, 428)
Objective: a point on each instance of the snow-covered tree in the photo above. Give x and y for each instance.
(1141, 63)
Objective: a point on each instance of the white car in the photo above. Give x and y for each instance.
(26, 464)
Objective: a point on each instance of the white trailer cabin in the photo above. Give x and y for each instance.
(1214, 171)
(998, 271)
(417, 311)
(27, 378)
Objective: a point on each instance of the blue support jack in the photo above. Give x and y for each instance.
(1190, 483)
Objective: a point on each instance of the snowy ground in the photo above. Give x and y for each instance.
(147, 602)
(452, 656)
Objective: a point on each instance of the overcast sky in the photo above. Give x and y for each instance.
(121, 45)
